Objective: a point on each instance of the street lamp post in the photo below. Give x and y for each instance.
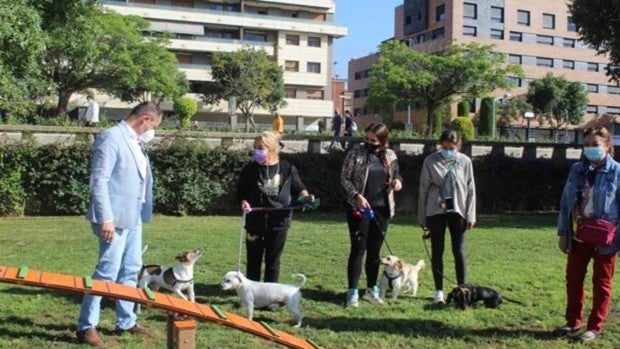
(528, 116)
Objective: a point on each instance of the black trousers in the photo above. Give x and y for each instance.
(269, 246)
(437, 225)
(366, 236)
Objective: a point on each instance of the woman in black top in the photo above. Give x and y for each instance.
(267, 181)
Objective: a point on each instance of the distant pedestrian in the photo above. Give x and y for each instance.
(337, 125)
(91, 115)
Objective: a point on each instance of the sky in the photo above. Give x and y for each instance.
(369, 22)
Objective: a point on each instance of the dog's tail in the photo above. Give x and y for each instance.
(301, 280)
(512, 301)
(420, 264)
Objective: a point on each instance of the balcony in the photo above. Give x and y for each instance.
(205, 44)
(245, 20)
(196, 72)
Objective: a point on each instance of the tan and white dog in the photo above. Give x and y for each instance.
(178, 278)
(256, 294)
(399, 276)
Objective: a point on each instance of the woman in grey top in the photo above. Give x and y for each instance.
(447, 198)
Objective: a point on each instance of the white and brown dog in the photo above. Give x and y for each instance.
(256, 294)
(178, 278)
(398, 274)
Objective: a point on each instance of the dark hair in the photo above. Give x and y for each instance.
(382, 133)
(602, 132)
(146, 108)
(450, 136)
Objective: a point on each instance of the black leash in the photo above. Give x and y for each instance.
(426, 236)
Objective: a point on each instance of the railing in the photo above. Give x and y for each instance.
(296, 143)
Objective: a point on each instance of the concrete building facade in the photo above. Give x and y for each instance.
(298, 33)
(538, 35)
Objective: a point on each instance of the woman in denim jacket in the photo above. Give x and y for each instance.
(592, 190)
(369, 176)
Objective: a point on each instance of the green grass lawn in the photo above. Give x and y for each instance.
(515, 254)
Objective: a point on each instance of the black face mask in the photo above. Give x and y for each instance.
(371, 147)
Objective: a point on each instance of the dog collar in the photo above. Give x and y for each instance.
(392, 278)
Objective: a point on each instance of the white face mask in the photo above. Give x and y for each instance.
(147, 136)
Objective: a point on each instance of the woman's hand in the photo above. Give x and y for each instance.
(107, 232)
(563, 244)
(397, 185)
(470, 225)
(245, 206)
(361, 202)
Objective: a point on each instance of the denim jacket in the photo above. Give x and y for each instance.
(606, 191)
(354, 174)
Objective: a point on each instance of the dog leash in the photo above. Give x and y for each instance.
(426, 236)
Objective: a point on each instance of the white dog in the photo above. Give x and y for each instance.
(261, 294)
(396, 274)
(178, 278)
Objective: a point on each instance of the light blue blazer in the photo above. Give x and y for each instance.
(116, 182)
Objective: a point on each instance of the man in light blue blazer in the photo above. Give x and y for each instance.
(120, 201)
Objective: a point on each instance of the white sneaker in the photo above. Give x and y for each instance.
(439, 297)
(589, 336)
(352, 298)
(372, 295)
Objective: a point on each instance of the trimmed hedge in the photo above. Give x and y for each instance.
(463, 108)
(464, 126)
(486, 124)
(193, 178)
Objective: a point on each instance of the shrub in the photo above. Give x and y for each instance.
(463, 108)
(397, 125)
(487, 111)
(464, 127)
(185, 108)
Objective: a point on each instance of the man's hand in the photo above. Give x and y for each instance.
(245, 206)
(107, 232)
(397, 185)
(563, 244)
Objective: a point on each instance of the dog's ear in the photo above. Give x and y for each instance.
(462, 297)
(399, 264)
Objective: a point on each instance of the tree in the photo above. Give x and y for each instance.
(599, 23)
(21, 43)
(91, 48)
(185, 108)
(403, 76)
(251, 77)
(513, 108)
(558, 100)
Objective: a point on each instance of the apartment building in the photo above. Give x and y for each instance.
(298, 33)
(538, 35)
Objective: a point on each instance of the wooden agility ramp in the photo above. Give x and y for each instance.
(210, 313)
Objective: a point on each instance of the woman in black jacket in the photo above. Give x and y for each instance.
(269, 182)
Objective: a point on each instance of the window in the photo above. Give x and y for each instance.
(497, 14)
(357, 111)
(544, 39)
(592, 109)
(290, 92)
(314, 67)
(613, 90)
(314, 94)
(592, 66)
(544, 62)
(292, 40)
(613, 110)
(568, 42)
(523, 17)
(357, 93)
(440, 13)
(593, 88)
(470, 10)
(314, 41)
(358, 75)
(254, 36)
(571, 26)
(568, 64)
(292, 66)
(469, 31)
(408, 20)
(497, 34)
(514, 59)
(439, 33)
(516, 36)
(548, 21)
(514, 81)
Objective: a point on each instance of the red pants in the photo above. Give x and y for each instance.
(576, 269)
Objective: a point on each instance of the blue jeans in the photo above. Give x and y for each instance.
(119, 261)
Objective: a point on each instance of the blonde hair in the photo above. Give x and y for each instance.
(271, 140)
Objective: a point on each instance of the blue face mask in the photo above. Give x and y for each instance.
(259, 155)
(448, 154)
(593, 153)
